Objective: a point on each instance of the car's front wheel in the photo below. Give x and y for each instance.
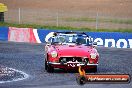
(94, 69)
(48, 67)
(45, 65)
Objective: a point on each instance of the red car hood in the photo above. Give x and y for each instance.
(73, 50)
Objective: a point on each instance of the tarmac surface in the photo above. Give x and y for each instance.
(29, 58)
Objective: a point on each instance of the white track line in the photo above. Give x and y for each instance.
(18, 79)
(36, 35)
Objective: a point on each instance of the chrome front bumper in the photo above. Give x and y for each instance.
(78, 64)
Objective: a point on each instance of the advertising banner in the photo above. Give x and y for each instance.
(106, 39)
(4, 33)
(21, 35)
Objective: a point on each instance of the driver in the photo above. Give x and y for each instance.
(51, 34)
(80, 41)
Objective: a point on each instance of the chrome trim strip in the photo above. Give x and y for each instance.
(73, 56)
(66, 64)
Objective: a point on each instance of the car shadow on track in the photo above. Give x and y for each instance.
(68, 71)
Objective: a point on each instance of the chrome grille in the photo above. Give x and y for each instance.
(73, 59)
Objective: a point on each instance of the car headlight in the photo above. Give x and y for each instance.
(54, 54)
(93, 55)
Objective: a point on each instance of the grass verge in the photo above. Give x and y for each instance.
(84, 19)
(62, 27)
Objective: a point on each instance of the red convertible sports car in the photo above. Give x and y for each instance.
(69, 50)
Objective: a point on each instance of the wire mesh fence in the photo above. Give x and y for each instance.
(78, 19)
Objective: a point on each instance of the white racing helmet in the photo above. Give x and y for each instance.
(51, 34)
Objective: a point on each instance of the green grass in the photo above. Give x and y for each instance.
(85, 19)
(62, 27)
(71, 19)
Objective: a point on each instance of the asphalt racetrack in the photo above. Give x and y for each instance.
(29, 58)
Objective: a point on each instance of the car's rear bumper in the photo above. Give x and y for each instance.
(68, 66)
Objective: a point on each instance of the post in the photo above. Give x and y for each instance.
(19, 15)
(97, 21)
(3, 8)
(57, 19)
(1, 16)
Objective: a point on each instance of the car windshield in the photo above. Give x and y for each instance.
(71, 38)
